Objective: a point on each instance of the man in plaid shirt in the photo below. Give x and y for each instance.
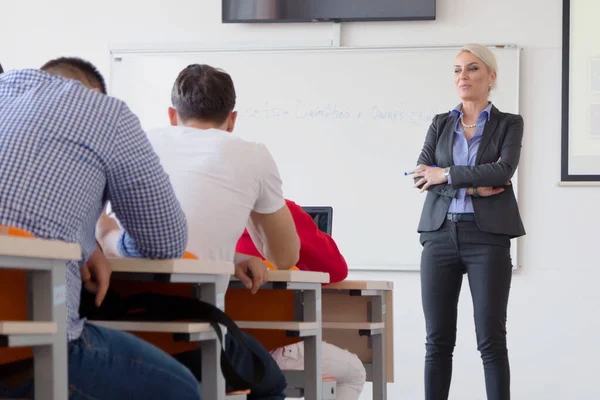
(108, 232)
(65, 151)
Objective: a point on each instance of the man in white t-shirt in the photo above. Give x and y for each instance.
(224, 184)
(222, 181)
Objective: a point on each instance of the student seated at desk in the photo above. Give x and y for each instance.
(66, 150)
(222, 183)
(318, 253)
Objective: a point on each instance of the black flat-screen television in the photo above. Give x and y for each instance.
(244, 11)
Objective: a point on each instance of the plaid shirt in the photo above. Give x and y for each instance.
(64, 152)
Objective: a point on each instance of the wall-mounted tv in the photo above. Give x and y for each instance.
(245, 11)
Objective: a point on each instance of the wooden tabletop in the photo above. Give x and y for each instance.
(27, 328)
(277, 325)
(168, 327)
(174, 266)
(353, 325)
(14, 246)
(297, 276)
(361, 285)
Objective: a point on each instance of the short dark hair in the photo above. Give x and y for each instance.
(202, 92)
(1, 69)
(74, 63)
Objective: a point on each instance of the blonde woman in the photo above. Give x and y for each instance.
(469, 216)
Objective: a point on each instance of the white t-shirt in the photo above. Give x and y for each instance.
(219, 179)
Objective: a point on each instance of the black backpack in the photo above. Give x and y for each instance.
(160, 307)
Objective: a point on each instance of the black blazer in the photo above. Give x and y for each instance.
(502, 137)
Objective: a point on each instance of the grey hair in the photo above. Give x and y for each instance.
(484, 54)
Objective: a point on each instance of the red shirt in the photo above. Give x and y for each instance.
(318, 251)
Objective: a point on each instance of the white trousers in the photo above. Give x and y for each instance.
(345, 367)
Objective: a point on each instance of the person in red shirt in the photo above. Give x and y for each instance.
(318, 253)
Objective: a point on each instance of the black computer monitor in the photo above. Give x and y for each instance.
(323, 217)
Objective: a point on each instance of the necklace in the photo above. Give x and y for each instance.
(467, 126)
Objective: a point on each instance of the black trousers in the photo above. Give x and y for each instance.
(455, 249)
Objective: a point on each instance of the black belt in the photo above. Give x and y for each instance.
(456, 217)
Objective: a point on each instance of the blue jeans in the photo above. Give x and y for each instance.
(108, 364)
(272, 386)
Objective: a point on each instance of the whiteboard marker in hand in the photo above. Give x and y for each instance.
(417, 170)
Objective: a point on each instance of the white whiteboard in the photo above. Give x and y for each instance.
(343, 124)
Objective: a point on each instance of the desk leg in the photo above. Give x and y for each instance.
(312, 346)
(213, 382)
(378, 310)
(47, 297)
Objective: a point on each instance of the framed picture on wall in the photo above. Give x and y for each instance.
(580, 143)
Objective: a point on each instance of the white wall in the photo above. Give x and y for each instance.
(551, 325)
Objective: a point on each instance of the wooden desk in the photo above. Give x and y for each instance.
(367, 308)
(307, 383)
(176, 270)
(27, 328)
(188, 331)
(301, 329)
(203, 275)
(286, 276)
(45, 264)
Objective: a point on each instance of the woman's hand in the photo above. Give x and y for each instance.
(487, 191)
(429, 176)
